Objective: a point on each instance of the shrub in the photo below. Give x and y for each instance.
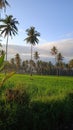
(18, 95)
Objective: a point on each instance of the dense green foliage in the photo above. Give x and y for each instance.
(36, 103)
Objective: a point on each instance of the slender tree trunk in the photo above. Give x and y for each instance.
(6, 48)
(31, 62)
(57, 69)
(0, 14)
(56, 65)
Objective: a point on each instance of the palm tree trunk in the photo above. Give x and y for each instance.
(31, 62)
(6, 47)
(0, 13)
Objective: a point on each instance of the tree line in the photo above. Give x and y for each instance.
(40, 67)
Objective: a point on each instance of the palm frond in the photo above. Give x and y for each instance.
(9, 26)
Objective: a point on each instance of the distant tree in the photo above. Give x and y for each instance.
(25, 66)
(8, 28)
(12, 61)
(36, 55)
(32, 35)
(54, 52)
(39, 67)
(50, 65)
(71, 63)
(59, 58)
(59, 62)
(17, 61)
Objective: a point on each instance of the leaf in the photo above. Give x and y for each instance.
(6, 77)
(2, 59)
(2, 67)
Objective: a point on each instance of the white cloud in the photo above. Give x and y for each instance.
(21, 30)
(42, 41)
(67, 35)
(64, 46)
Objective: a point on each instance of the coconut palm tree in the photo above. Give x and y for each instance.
(70, 63)
(25, 66)
(59, 62)
(3, 4)
(59, 58)
(12, 61)
(54, 52)
(8, 28)
(31, 38)
(17, 61)
(36, 55)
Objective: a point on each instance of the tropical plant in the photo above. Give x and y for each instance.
(25, 66)
(1, 51)
(32, 35)
(7, 76)
(54, 52)
(17, 61)
(3, 4)
(36, 55)
(59, 58)
(12, 64)
(59, 62)
(8, 28)
(12, 61)
(71, 63)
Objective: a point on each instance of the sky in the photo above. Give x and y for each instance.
(52, 18)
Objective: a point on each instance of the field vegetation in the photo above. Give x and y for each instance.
(38, 87)
(37, 102)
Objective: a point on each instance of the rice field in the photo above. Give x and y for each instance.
(42, 87)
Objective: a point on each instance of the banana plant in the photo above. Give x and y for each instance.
(7, 75)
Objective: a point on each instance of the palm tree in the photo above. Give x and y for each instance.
(54, 52)
(71, 63)
(25, 66)
(32, 35)
(8, 28)
(17, 61)
(36, 55)
(12, 61)
(3, 4)
(59, 58)
(59, 61)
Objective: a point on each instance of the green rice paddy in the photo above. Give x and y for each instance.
(42, 88)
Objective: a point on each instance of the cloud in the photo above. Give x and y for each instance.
(42, 41)
(64, 46)
(21, 30)
(67, 35)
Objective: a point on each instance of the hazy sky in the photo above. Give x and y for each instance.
(52, 18)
